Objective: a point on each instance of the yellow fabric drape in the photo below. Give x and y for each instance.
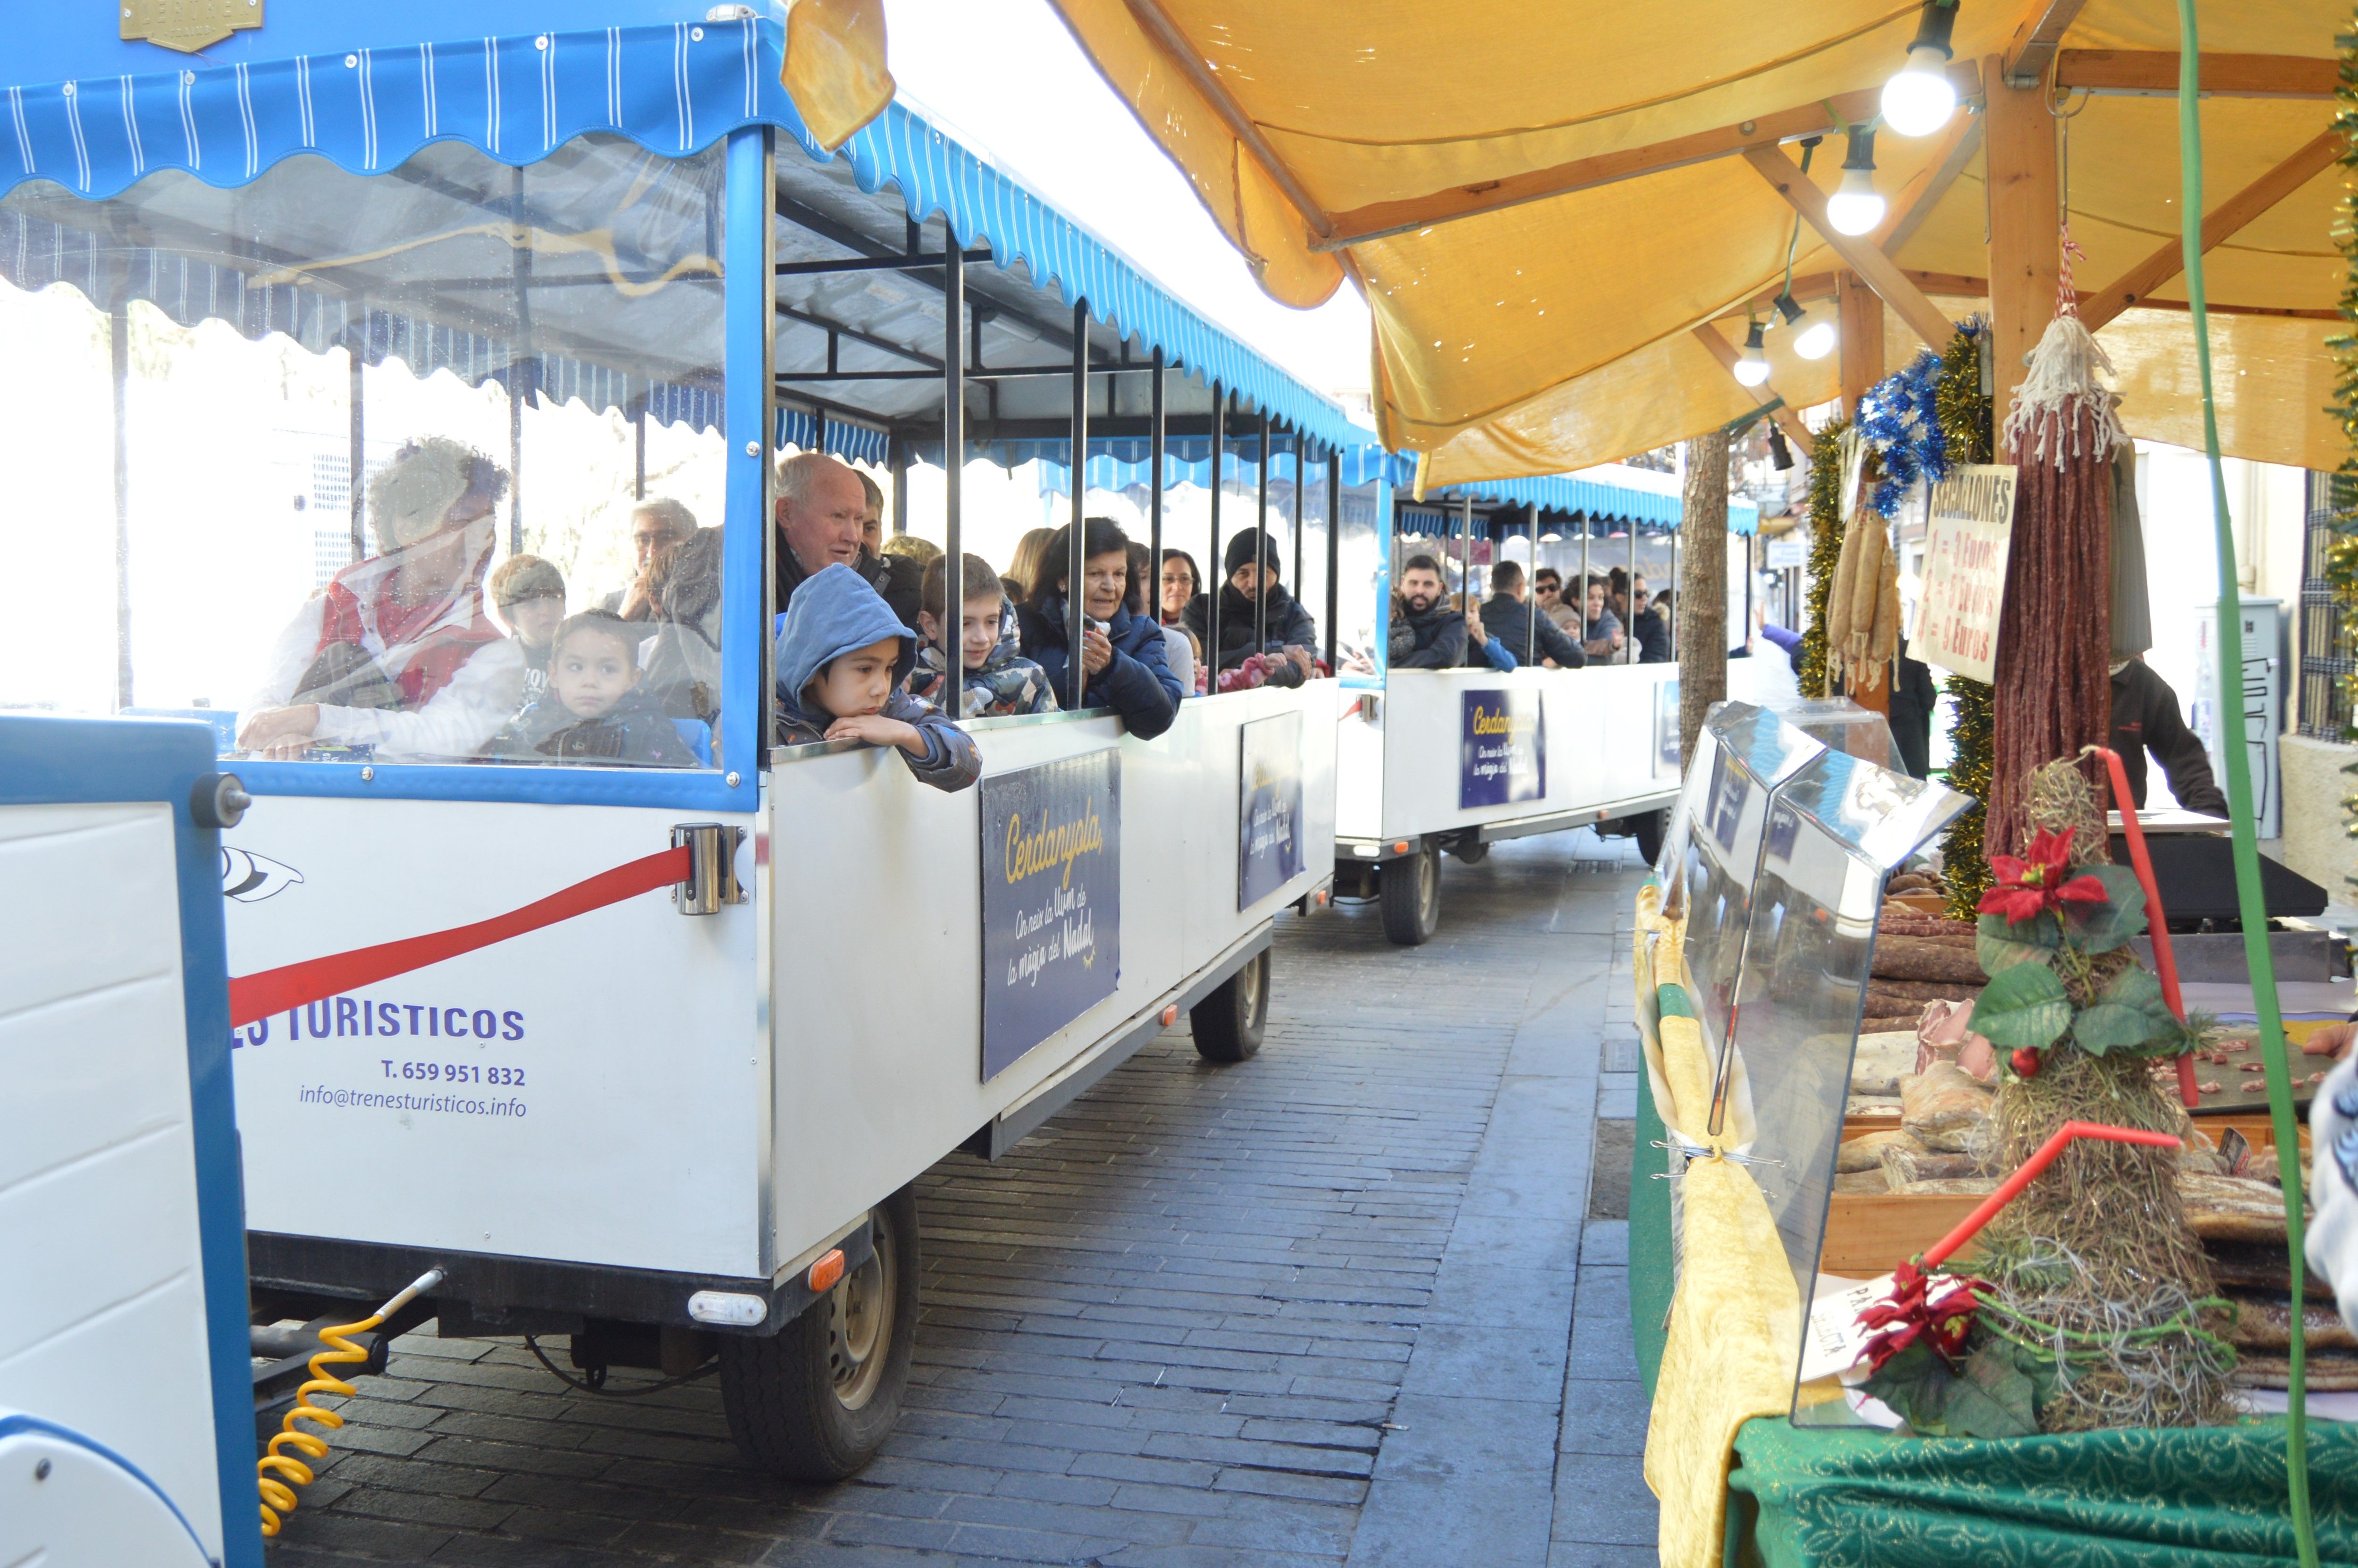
(835, 67)
(1560, 333)
(1735, 1320)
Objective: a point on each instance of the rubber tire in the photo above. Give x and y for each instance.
(780, 1392)
(1648, 829)
(1411, 895)
(1470, 851)
(1227, 1024)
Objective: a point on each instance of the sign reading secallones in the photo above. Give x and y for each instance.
(1965, 546)
(1051, 899)
(1502, 749)
(1268, 807)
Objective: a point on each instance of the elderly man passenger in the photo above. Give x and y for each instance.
(400, 655)
(822, 513)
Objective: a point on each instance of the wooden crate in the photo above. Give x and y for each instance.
(1870, 1234)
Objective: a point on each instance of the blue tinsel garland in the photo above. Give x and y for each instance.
(1900, 424)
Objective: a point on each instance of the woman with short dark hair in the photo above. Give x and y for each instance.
(1122, 658)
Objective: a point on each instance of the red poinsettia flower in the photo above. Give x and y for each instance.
(2028, 887)
(1936, 1308)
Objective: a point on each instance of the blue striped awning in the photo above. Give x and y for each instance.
(845, 439)
(673, 87)
(1640, 500)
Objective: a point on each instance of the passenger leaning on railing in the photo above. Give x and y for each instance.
(1122, 653)
(996, 680)
(1290, 633)
(841, 657)
(400, 657)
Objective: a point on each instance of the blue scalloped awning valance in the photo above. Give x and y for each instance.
(673, 87)
(845, 439)
(1577, 495)
(35, 254)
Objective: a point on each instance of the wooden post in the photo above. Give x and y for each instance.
(2025, 215)
(1702, 609)
(1858, 316)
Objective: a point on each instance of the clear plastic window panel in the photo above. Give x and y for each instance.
(1363, 584)
(1786, 847)
(422, 467)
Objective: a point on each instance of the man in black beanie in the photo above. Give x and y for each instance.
(1291, 632)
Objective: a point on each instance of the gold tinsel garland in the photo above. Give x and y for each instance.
(1965, 413)
(2341, 558)
(1825, 553)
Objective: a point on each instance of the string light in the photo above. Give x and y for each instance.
(1752, 366)
(1816, 341)
(1857, 207)
(1919, 98)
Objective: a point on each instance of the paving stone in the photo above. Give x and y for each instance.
(1326, 1305)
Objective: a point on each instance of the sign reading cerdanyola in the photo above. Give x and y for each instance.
(1051, 899)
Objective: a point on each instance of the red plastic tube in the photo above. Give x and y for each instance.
(2011, 1188)
(2165, 963)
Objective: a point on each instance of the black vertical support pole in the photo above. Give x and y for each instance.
(356, 457)
(119, 347)
(1465, 555)
(1156, 440)
(1630, 631)
(1301, 483)
(1532, 586)
(638, 451)
(1213, 580)
(1333, 548)
(954, 468)
(1075, 555)
(1587, 527)
(897, 458)
(1261, 523)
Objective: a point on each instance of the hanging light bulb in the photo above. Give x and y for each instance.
(1855, 206)
(1816, 341)
(1752, 365)
(1919, 98)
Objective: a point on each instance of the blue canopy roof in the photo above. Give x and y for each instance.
(1630, 499)
(358, 85)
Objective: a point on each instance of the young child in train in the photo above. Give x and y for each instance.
(841, 658)
(529, 594)
(998, 680)
(594, 710)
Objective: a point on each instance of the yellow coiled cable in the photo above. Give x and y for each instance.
(336, 1349)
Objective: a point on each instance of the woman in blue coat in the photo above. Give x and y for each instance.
(1122, 661)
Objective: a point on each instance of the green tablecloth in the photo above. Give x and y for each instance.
(1847, 1497)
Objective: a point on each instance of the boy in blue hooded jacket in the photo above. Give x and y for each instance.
(841, 657)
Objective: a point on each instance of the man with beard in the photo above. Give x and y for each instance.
(822, 515)
(1291, 631)
(1426, 635)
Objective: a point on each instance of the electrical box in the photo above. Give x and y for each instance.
(2260, 698)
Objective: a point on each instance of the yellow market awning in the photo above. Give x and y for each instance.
(1562, 216)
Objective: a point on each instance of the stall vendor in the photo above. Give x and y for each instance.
(2145, 717)
(400, 654)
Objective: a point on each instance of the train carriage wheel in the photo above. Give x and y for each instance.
(815, 1401)
(1411, 895)
(1227, 1024)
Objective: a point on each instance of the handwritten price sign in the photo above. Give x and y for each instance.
(1966, 547)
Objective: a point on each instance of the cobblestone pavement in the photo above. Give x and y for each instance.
(1344, 1303)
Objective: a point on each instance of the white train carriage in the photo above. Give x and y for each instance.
(640, 1031)
(1435, 761)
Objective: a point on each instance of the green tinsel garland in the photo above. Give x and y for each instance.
(1965, 412)
(2341, 558)
(1825, 553)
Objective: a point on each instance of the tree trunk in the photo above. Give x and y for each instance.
(1702, 605)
